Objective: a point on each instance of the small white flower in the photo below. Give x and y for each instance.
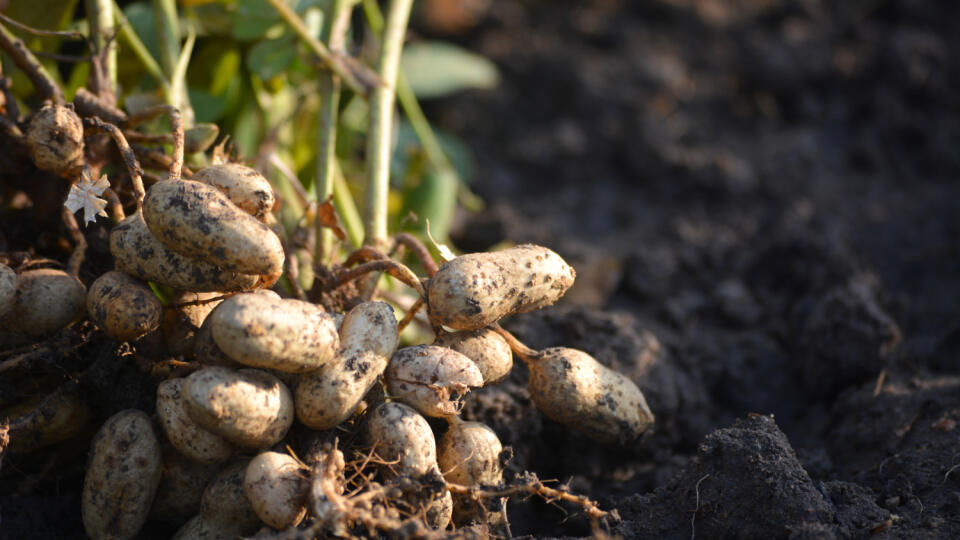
(85, 194)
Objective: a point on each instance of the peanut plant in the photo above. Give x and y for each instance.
(275, 329)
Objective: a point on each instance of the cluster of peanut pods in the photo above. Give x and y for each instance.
(217, 464)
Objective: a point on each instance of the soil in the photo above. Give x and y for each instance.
(759, 197)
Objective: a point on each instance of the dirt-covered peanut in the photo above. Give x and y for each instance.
(137, 252)
(469, 454)
(184, 433)
(476, 290)
(205, 349)
(330, 395)
(488, 350)
(432, 379)
(399, 433)
(8, 288)
(55, 140)
(198, 221)
(277, 489)
(249, 407)
(287, 335)
(44, 420)
(124, 308)
(225, 511)
(180, 325)
(123, 473)
(569, 386)
(46, 301)
(244, 186)
(182, 482)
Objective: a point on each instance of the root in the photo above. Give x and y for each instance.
(411, 313)
(176, 125)
(364, 254)
(522, 351)
(116, 208)
(129, 158)
(203, 301)
(529, 484)
(419, 250)
(28, 63)
(696, 508)
(397, 270)
(156, 159)
(79, 252)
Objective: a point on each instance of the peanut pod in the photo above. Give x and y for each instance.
(46, 301)
(330, 395)
(277, 489)
(478, 289)
(137, 252)
(488, 350)
(124, 308)
(431, 379)
(198, 221)
(245, 187)
(122, 477)
(569, 386)
(249, 408)
(286, 335)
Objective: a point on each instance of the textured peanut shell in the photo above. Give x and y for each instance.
(328, 396)
(277, 489)
(47, 419)
(245, 187)
(46, 301)
(488, 350)
(250, 408)
(182, 482)
(184, 433)
(122, 477)
(399, 433)
(137, 252)
(286, 335)
(569, 386)
(8, 288)
(198, 221)
(55, 140)
(478, 289)
(431, 379)
(469, 454)
(206, 350)
(124, 308)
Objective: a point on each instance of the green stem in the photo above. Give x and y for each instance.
(408, 101)
(168, 34)
(381, 123)
(101, 20)
(354, 75)
(140, 51)
(343, 201)
(335, 33)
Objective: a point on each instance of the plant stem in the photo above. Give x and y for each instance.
(101, 20)
(141, 52)
(344, 202)
(168, 34)
(28, 63)
(408, 101)
(335, 32)
(381, 123)
(354, 75)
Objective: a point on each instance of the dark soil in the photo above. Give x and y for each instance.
(760, 199)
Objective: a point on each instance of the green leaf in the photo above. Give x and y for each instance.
(271, 57)
(437, 69)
